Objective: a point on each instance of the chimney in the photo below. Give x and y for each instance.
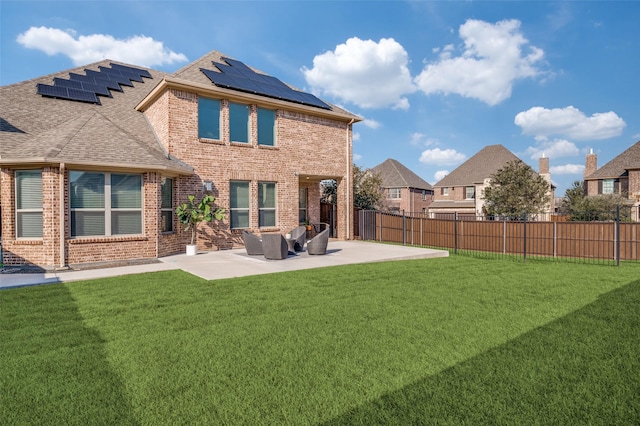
(591, 164)
(544, 165)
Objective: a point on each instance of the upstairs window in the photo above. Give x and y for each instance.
(239, 122)
(424, 195)
(266, 127)
(470, 192)
(208, 118)
(395, 193)
(28, 203)
(445, 191)
(266, 204)
(607, 186)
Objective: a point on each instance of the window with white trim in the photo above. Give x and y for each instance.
(266, 204)
(105, 204)
(607, 186)
(239, 204)
(28, 203)
(470, 192)
(266, 127)
(238, 122)
(166, 205)
(445, 191)
(395, 193)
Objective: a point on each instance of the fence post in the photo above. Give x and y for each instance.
(404, 229)
(380, 225)
(455, 232)
(524, 251)
(617, 235)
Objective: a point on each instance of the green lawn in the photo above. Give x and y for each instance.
(455, 340)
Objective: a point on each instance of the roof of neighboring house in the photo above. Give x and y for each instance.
(447, 204)
(481, 166)
(395, 175)
(629, 159)
(37, 129)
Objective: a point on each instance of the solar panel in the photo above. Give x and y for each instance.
(140, 72)
(237, 76)
(98, 89)
(67, 93)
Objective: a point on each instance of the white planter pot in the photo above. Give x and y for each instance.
(192, 249)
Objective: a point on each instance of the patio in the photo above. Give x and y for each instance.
(236, 263)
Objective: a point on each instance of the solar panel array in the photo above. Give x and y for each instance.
(237, 76)
(87, 87)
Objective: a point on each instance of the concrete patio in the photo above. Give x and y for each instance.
(236, 263)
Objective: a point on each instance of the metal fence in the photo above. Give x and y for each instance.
(610, 240)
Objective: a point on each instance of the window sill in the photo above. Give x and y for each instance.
(98, 239)
(274, 148)
(245, 144)
(25, 242)
(211, 141)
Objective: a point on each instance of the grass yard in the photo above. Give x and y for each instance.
(455, 340)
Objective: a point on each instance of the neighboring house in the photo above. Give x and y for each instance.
(461, 190)
(619, 176)
(403, 189)
(94, 160)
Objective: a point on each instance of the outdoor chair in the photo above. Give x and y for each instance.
(274, 246)
(318, 244)
(300, 235)
(252, 243)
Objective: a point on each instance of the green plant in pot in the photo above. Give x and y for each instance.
(191, 213)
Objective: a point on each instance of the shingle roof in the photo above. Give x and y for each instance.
(629, 159)
(481, 166)
(395, 175)
(38, 129)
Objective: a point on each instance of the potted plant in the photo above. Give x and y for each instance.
(308, 225)
(191, 213)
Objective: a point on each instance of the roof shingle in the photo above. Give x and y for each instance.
(481, 166)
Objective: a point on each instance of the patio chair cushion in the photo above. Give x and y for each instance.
(318, 244)
(300, 235)
(252, 243)
(274, 246)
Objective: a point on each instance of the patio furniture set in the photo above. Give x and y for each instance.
(276, 246)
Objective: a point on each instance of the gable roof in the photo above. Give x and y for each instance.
(629, 159)
(37, 129)
(395, 175)
(481, 166)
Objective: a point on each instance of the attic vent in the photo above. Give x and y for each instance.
(86, 88)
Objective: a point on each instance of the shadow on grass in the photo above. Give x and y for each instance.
(581, 369)
(53, 370)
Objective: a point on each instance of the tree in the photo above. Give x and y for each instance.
(580, 207)
(367, 189)
(191, 213)
(515, 190)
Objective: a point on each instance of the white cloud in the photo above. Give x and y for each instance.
(442, 157)
(351, 71)
(372, 124)
(356, 136)
(553, 149)
(569, 122)
(421, 139)
(357, 157)
(440, 174)
(492, 60)
(137, 50)
(567, 169)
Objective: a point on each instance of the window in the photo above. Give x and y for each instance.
(302, 205)
(105, 204)
(445, 191)
(166, 205)
(28, 203)
(607, 186)
(266, 127)
(208, 118)
(424, 195)
(238, 122)
(266, 204)
(470, 192)
(395, 192)
(239, 204)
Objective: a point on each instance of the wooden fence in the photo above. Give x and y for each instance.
(610, 241)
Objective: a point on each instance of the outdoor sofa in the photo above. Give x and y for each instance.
(318, 244)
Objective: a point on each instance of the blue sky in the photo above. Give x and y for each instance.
(435, 82)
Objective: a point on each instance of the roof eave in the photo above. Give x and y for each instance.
(92, 165)
(234, 95)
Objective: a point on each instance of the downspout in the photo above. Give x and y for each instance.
(61, 208)
(349, 188)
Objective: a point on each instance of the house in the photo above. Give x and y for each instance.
(460, 192)
(619, 176)
(95, 159)
(403, 189)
